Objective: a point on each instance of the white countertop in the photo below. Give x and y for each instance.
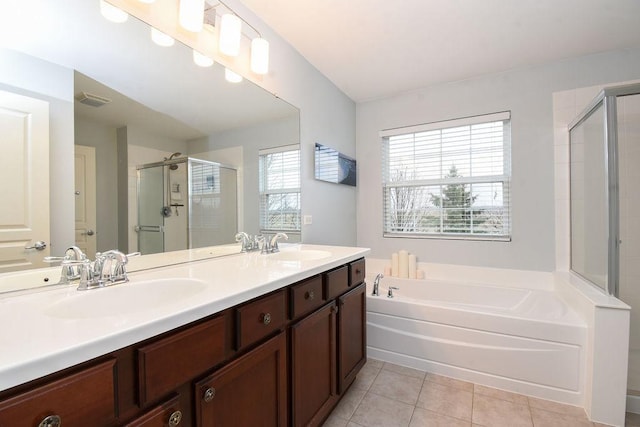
(36, 343)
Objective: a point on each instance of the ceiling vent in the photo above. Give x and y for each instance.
(92, 100)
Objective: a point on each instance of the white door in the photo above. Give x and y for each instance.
(85, 190)
(24, 177)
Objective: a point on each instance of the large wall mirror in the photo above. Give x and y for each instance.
(163, 106)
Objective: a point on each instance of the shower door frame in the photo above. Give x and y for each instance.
(608, 99)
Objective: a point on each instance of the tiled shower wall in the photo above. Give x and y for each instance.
(567, 105)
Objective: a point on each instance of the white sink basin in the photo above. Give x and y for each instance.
(301, 255)
(124, 298)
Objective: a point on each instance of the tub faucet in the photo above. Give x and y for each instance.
(376, 284)
(391, 289)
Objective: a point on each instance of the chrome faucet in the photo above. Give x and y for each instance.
(249, 243)
(271, 245)
(390, 292)
(274, 241)
(69, 272)
(376, 284)
(109, 268)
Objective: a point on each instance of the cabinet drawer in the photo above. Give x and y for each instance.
(306, 296)
(260, 318)
(356, 272)
(84, 398)
(336, 282)
(178, 358)
(169, 414)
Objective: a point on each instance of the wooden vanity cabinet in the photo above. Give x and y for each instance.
(280, 359)
(250, 391)
(313, 366)
(352, 335)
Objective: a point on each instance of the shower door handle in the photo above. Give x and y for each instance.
(150, 228)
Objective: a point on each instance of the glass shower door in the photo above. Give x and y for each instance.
(150, 204)
(589, 199)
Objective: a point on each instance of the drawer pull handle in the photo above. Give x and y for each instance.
(309, 295)
(266, 318)
(175, 418)
(209, 394)
(51, 421)
(358, 271)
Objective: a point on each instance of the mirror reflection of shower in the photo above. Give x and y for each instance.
(185, 203)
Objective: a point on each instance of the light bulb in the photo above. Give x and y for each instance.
(202, 60)
(112, 13)
(161, 39)
(192, 15)
(259, 56)
(232, 77)
(230, 32)
(147, 1)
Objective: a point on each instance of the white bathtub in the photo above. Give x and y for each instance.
(523, 340)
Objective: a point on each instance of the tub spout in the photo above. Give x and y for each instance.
(376, 283)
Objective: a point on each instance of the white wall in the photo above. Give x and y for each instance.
(103, 138)
(327, 116)
(527, 93)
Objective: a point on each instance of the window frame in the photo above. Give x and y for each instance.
(503, 179)
(264, 194)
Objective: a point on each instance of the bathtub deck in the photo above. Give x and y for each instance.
(533, 343)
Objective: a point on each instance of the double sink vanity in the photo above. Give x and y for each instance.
(242, 340)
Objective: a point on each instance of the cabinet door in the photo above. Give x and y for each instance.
(250, 391)
(313, 362)
(352, 335)
(168, 414)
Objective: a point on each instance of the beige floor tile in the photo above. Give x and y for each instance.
(489, 411)
(451, 401)
(542, 418)
(396, 386)
(352, 424)
(560, 408)
(501, 394)
(375, 363)
(379, 411)
(424, 418)
(349, 403)
(410, 372)
(365, 377)
(448, 381)
(335, 421)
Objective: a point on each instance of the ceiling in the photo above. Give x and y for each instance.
(378, 48)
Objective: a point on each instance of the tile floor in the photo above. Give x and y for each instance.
(388, 395)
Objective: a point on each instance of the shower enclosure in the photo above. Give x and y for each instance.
(185, 203)
(605, 206)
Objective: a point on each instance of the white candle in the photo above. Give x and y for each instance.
(387, 271)
(403, 264)
(394, 264)
(412, 266)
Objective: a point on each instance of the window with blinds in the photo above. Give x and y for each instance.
(448, 179)
(280, 189)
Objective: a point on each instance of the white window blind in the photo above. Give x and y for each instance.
(280, 188)
(448, 179)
